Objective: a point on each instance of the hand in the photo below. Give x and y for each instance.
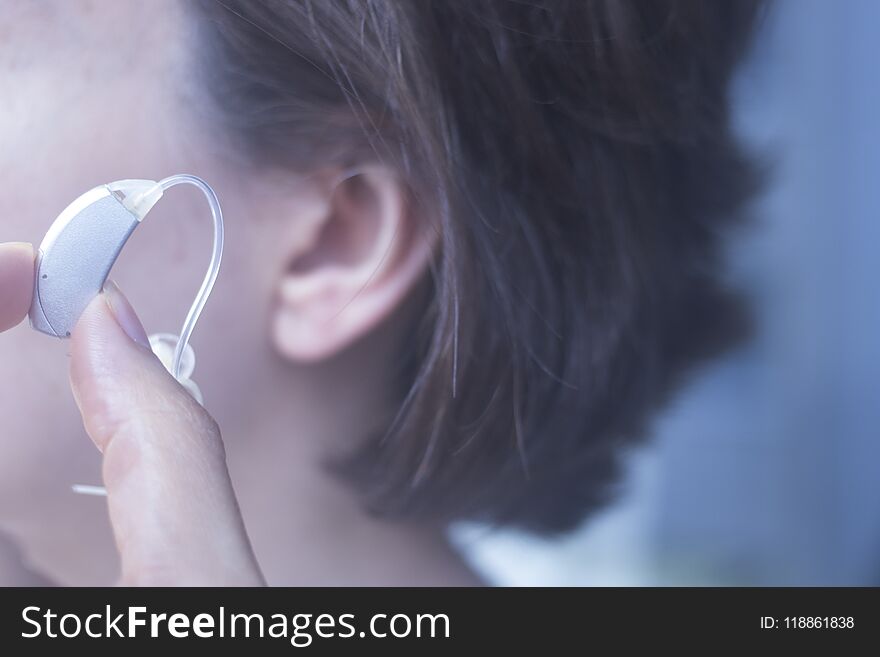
(171, 503)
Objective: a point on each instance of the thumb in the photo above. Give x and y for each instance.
(171, 502)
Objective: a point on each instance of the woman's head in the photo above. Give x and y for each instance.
(477, 238)
(574, 165)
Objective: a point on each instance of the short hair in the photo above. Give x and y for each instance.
(578, 160)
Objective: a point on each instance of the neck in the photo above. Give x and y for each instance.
(306, 526)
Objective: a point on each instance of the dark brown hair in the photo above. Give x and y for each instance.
(578, 160)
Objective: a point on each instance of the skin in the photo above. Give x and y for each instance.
(292, 351)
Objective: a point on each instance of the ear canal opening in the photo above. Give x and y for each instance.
(349, 233)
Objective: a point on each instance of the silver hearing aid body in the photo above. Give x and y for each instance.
(82, 245)
(76, 256)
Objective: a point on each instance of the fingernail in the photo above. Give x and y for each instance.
(125, 315)
(18, 246)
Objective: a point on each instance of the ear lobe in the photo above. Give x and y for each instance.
(367, 255)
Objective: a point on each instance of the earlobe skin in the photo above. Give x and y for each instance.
(370, 252)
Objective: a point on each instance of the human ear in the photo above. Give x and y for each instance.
(367, 252)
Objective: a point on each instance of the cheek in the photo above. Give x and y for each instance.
(61, 145)
(72, 117)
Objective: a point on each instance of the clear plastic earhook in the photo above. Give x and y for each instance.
(195, 311)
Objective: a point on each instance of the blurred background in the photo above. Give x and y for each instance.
(766, 468)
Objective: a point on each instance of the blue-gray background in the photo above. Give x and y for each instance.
(766, 469)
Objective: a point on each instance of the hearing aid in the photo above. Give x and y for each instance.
(81, 246)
